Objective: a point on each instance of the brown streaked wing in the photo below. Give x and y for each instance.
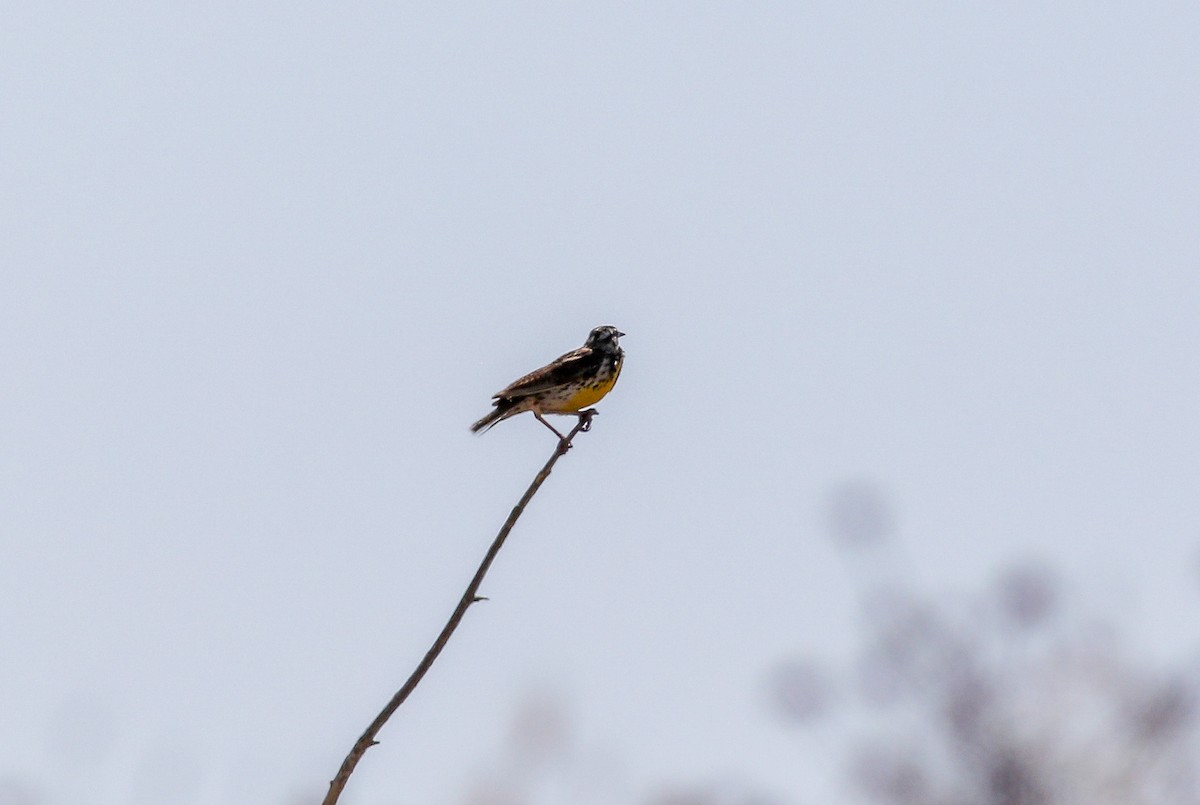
(565, 368)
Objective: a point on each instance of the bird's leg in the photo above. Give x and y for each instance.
(563, 444)
(538, 414)
(585, 419)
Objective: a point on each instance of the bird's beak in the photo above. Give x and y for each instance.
(620, 334)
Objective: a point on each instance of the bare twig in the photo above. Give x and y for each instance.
(367, 739)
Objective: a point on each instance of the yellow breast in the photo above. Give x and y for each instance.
(589, 394)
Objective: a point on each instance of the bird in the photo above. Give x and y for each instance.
(567, 385)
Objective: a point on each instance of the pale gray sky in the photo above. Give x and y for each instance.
(264, 264)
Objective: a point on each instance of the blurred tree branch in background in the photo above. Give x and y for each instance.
(469, 597)
(1000, 699)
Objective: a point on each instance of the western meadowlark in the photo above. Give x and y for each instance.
(566, 385)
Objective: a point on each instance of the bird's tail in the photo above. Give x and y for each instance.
(495, 415)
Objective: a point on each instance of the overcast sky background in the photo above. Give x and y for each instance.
(262, 265)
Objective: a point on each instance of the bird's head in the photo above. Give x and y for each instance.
(604, 337)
